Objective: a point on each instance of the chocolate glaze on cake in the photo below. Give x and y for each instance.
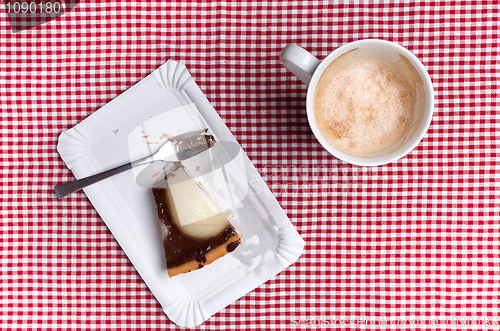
(232, 246)
(181, 248)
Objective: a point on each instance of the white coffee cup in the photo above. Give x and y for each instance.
(309, 70)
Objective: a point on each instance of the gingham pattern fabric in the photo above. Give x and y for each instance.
(415, 241)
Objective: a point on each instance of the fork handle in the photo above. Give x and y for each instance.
(68, 188)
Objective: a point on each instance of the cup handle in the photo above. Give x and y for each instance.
(299, 61)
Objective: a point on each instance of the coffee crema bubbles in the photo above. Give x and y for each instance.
(363, 104)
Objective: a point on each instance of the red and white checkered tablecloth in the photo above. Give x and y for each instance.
(412, 244)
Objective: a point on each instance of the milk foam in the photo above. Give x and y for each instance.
(364, 105)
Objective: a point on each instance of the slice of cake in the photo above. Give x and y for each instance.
(195, 231)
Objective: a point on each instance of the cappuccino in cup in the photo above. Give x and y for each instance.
(364, 104)
(369, 102)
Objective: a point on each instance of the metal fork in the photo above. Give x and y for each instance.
(176, 149)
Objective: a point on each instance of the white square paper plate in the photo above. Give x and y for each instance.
(169, 101)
